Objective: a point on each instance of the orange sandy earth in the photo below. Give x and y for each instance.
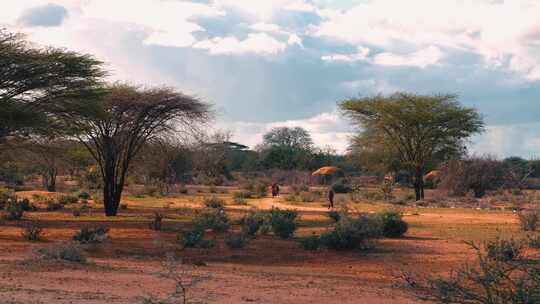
(268, 270)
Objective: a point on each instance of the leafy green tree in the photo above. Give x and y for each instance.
(42, 86)
(286, 148)
(130, 118)
(413, 129)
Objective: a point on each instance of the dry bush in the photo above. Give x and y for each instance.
(490, 281)
(529, 219)
(476, 174)
(92, 235)
(214, 202)
(32, 232)
(184, 278)
(62, 251)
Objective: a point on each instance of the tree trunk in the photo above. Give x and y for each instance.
(49, 180)
(111, 197)
(112, 193)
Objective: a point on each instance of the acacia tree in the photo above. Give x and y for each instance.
(287, 148)
(132, 116)
(416, 129)
(40, 85)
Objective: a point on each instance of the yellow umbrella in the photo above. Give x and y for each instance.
(329, 170)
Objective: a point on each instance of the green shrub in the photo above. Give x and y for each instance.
(252, 222)
(84, 195)
(68, 199)
(341, 186)
(32, 232)
(258, 187)
(14, 211)
(265, 228)
(53, 206)
(236, 241)
(92, 235)
(63, 251)
(312, 242)
(334, 215)
(393, 224)
(194, 239)
(283, 222)
(183, 190)
(349, 233)
(504, 249)
(26, 205)
(214, 202)
(215, 219)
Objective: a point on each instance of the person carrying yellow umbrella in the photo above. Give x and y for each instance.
(328, 171)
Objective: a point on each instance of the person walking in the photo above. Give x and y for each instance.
(331, 198)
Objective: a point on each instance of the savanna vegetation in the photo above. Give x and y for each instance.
(115, 192)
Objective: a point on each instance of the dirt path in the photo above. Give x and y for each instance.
(268, 203)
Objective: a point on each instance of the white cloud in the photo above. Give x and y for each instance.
(266, 27)
(264, 9)
(259, 43)
(361, 54)
(370, 86)
(326, 129)
(167, 21)
(508, 140)
(422, 58)
(499, 31)
(300, 6)
(294, 39)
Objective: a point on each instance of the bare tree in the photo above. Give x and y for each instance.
(132, 116)
(48, 155)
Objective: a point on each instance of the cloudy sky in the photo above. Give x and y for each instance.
(266, 63)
